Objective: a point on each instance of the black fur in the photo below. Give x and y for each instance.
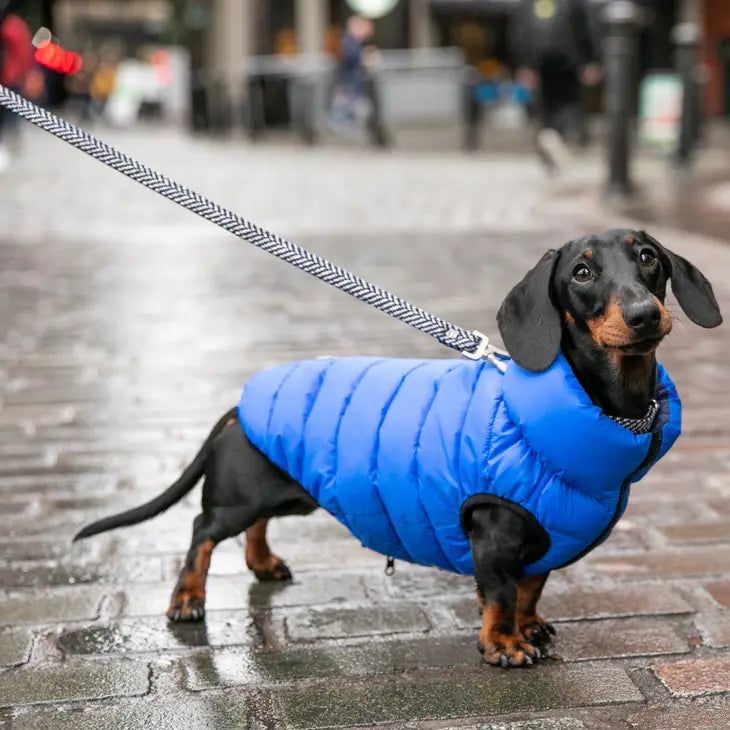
(528, 321)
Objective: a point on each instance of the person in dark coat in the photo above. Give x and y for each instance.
(355, 103)
(16, 60)
(556, 51)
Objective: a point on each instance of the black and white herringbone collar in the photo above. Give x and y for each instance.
(639, 425)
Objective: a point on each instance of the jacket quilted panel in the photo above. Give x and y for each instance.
(394, 447)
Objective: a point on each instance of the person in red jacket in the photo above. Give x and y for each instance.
(16, 60)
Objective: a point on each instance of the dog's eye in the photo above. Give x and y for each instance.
(647, 256)
(582, 273)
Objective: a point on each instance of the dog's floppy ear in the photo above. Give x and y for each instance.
(528, 322)
(692, 290)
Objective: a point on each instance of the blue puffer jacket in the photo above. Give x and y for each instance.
(395, 449)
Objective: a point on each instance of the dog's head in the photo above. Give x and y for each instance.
(610, 287)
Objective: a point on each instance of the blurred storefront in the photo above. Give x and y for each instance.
(223, 35)
(128, 25)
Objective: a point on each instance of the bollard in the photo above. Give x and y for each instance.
(303, 108)
(621, 52)
(254, 119)
(199, 111)
(686, 37)
(471, 109)
(220, 107)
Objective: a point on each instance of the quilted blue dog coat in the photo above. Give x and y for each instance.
(393, 448)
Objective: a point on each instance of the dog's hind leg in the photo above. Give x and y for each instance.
(259, 558)
(188, 597)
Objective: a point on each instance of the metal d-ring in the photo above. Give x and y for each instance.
(486, 351)
(482, 348)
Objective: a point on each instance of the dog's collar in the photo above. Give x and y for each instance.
(639, 425)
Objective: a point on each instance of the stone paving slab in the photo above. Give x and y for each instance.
(73, 682)
(376, 656)
(695, 677)
(67, 604)
(196, 713)
(154, 635)
(420, 697)
(700, 714)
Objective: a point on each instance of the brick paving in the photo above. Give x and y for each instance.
(127, 328)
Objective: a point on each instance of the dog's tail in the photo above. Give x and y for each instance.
(174, 493)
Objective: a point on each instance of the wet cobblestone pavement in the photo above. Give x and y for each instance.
(128, 328)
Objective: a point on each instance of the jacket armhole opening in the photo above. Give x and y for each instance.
(540, 543)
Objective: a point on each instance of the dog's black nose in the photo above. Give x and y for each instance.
(642, 316)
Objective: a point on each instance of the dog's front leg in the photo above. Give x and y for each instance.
(531, 625)
(497, 536)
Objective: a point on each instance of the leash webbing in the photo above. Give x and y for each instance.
(473, 344)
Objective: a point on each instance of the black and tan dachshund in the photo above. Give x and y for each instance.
(599, 298)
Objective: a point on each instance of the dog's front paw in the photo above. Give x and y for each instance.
(186, 606)
(537, 631)
(507, 650)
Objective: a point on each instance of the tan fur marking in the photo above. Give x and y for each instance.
(610, 330)
(665, 320)
(195, 579)
(191, 583)
(259, 557)
(630, 240)
(569, 318)
(494, 641)
(529, 590)
(588, 253)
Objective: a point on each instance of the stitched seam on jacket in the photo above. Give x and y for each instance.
(544, 462)
(322, 375)
(490, 435)
(418, 472)
(460, 432)
(275, 397)
(345, 406)
(376, 450)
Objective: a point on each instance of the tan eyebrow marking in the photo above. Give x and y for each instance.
(630, 240)
(588, 253)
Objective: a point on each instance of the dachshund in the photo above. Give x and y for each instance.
(597, 301)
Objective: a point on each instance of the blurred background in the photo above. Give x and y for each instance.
(454, 68)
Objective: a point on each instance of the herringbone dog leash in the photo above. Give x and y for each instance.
(473, 344)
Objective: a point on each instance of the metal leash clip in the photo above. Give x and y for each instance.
(486, 351)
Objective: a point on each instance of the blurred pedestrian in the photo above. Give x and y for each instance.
(103, 78)
(16, 60)
(556, 51)
(354, 104)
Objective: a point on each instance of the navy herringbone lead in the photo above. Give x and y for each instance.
(447, 334)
